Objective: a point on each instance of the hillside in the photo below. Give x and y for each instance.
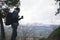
(55, 35)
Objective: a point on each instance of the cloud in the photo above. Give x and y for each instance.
(40, 11)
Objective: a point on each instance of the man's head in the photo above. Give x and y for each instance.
(17, 9)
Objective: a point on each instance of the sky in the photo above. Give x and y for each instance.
(39, 11)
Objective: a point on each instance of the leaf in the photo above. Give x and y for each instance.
(12, 2)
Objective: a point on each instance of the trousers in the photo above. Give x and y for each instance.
(14, 31)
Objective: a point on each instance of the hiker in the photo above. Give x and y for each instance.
(15, 19)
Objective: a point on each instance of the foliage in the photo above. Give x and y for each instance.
(5, 5)
(3, 12)
(55, 35)
(12, 2)
(58, 10)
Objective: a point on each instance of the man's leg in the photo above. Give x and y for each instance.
(14, 34)
(14, 31)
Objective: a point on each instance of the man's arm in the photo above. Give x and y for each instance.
(20, 18)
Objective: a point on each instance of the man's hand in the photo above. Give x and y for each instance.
(21, 17)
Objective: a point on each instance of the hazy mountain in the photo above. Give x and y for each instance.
(37, 30)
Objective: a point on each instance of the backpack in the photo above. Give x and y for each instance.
(8, 20)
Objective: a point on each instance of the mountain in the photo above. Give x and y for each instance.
(33, 30)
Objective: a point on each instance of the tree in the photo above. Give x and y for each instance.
(55, 35)
(26, 32)
(58, 10)
(3, 5)
(2, 29)
(12, 2)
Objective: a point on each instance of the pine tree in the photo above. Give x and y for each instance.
(9, 3)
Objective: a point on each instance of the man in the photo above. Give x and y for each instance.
(15, 19)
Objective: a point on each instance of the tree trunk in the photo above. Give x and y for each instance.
(2, 28)
(24, 38)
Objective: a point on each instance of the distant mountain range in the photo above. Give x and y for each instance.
(33, 30)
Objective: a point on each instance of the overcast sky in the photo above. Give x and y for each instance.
(39, 11)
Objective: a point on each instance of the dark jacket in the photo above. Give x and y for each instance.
(15, 17)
